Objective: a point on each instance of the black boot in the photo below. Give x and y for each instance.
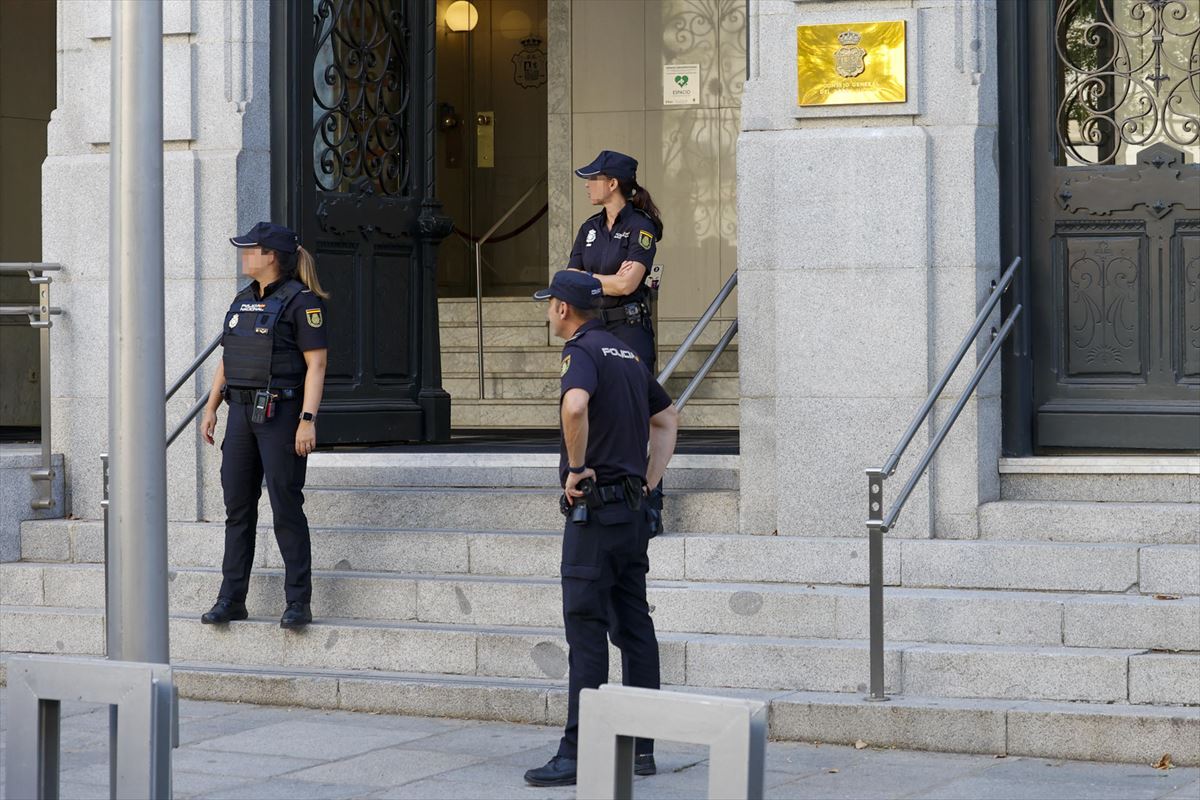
(558, 771)
(223, 611)
(644, 765)
(297, 615)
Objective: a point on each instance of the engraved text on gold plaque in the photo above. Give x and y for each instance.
(850, 63)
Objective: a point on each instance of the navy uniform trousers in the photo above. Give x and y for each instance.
(604, 567)
(639, 337)
(249, 452)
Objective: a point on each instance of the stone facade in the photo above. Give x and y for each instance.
(859, 290)
(868, 238)
(217, 181)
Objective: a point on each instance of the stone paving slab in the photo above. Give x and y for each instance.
(231, 750)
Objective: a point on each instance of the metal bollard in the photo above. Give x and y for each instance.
(735, 732)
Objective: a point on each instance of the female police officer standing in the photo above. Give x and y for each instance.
(617, 245)
(272, 373)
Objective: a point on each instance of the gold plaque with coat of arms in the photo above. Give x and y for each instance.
(846, 64)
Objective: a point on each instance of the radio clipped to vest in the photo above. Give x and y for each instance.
(250, 357)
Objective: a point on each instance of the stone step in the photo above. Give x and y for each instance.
(496, 310)
(1108, 479)
(459, 313)
(463, 361)
(690, 510)
(1063, 521)
(823, 612)
(469, 414)
(497, 336)
(1087, 731)
(509, 652)
(1167, 570)
(1099, 675)
(521, 470)
(527, 386)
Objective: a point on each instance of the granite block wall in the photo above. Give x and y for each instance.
(868, 237)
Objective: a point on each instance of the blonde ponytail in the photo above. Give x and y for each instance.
(306, 271)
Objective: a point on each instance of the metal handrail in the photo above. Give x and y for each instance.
(197, 362)
(702, 373)
(690, 340)
(998, 289)
(879, 522)
(479, 272)
(39, 318)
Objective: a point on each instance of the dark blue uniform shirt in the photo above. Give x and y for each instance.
(624, 395)
(601, 250)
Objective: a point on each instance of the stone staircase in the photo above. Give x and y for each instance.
(1068, 629)
(521, 367)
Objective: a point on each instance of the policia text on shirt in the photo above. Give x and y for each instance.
(272, 374)
(612, 409)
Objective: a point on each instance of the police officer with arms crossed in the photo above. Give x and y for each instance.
(617, 245)
(272, 374)
(611, 409)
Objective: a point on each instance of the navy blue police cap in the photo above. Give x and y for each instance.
(573, 287)
(270, 236)
(611, 164)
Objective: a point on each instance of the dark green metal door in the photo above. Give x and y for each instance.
(352, 159)
(1114, 106)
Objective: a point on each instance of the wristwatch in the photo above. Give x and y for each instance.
(577, 470)
(306, 416)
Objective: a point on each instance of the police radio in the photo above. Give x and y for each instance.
(264, 407)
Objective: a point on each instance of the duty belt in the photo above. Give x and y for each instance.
(247, 395)
(613, 493)
(630, 313)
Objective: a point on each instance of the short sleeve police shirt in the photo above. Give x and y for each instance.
(601, 251)
(624, 395)
(302, 324)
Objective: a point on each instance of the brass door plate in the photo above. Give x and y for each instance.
(851, 63)
(485, 139)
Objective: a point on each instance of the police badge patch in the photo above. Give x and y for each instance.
(646, 239)
(233, 321)
(566, 365)
(315, 319)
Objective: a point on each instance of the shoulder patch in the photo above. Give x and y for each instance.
(645, 239)
(566, 365)
(315, 318)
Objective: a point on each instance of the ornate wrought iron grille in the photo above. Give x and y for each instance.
(361, 96)
(1129, 77)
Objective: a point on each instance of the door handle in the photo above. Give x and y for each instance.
(485, 139)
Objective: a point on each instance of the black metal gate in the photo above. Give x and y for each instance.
(352, 172)
(1111, 225)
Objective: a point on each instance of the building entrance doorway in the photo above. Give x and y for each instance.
(353, 173)
(491, 145)
(530, 89)
(1113, 225)
(27, 96)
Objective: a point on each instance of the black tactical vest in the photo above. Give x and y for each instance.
(251, 358)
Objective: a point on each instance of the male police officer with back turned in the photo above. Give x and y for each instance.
(611, 409)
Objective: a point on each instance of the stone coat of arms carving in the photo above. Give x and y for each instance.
(850, 59)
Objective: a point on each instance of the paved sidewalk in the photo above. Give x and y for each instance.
(246, 752)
